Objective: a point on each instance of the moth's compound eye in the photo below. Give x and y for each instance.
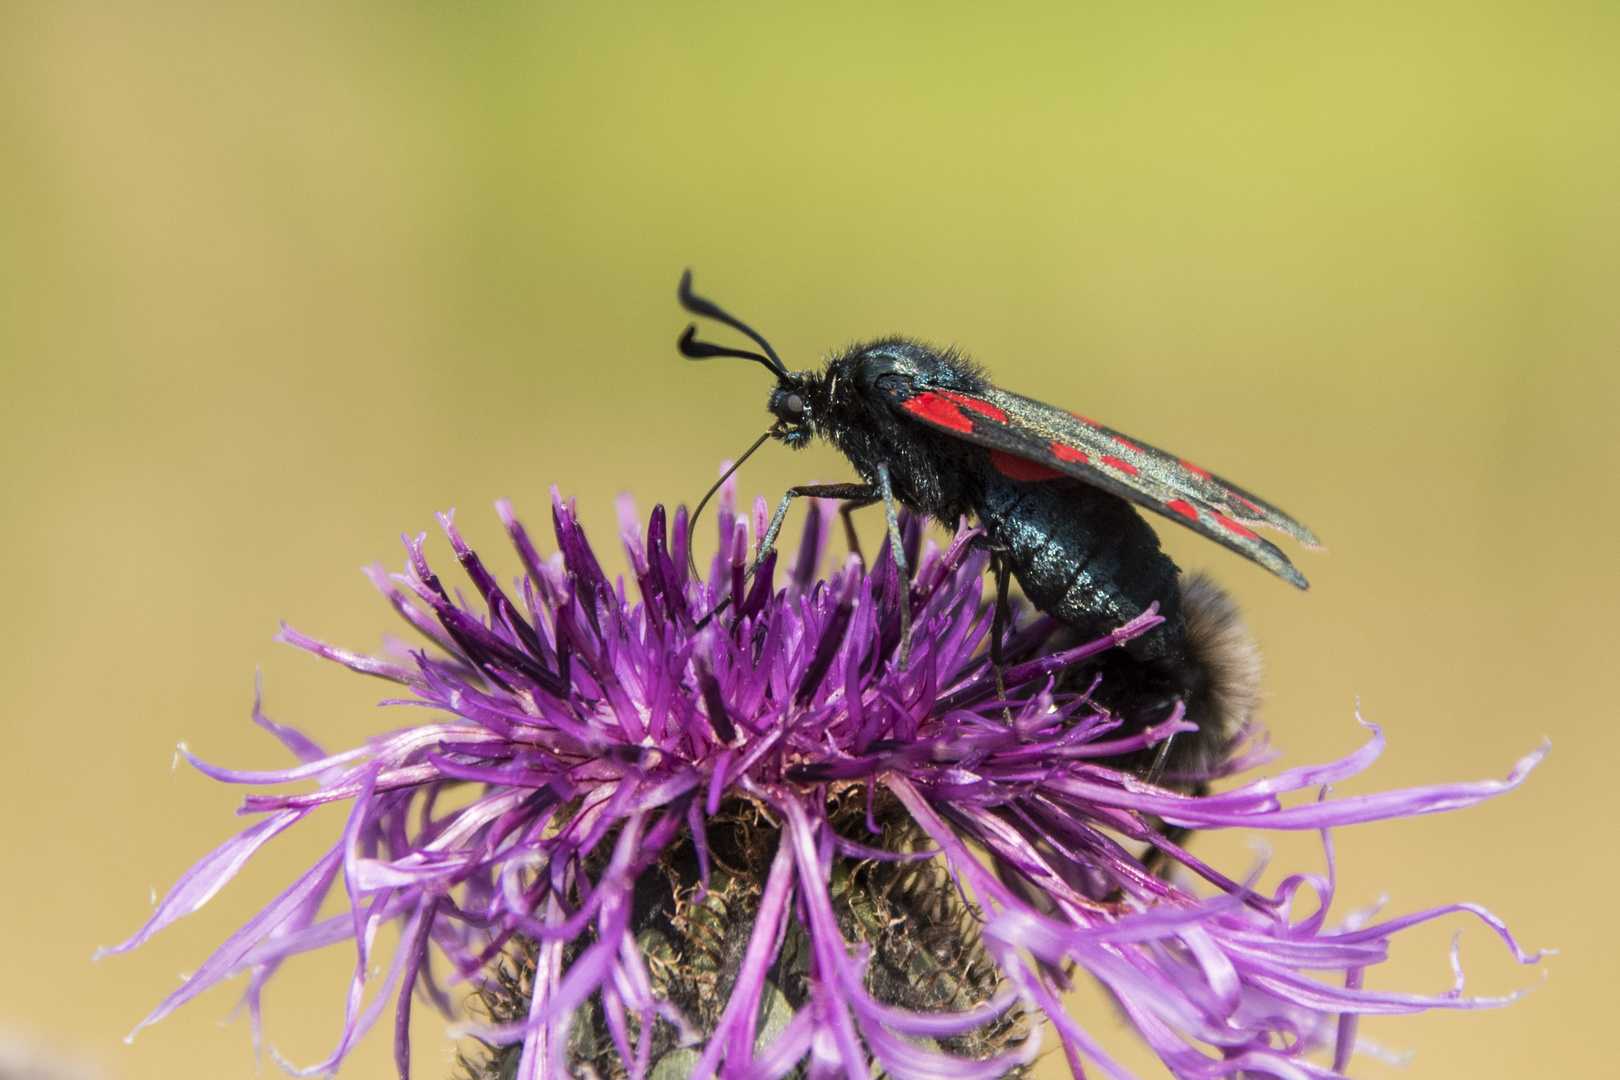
(793, 406)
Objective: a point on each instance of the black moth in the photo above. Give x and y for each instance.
(1053, 491)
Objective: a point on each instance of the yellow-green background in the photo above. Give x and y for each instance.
(278, 280)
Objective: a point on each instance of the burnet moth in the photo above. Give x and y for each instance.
(1054, 493)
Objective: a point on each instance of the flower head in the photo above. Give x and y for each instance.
(637, 775)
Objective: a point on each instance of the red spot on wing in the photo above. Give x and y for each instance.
(1085, 419)
(1190, 467)
(1068, 453)
(930, 406)
(1126, 443)
(1184, 508)
(1021, 468)
(982, 407)
(1118, 463)
(1232, 526)
(1259, 511)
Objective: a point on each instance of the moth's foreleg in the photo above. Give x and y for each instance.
(855, 496)
(862, 494)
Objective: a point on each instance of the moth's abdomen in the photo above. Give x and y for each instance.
(1084, 556)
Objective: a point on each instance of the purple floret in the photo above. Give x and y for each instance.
(599, 730)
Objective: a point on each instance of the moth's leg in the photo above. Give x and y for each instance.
(898, 548)
(861, 494)
(1160, 760)
(856, 496)
(844, 512)
(1002, 569)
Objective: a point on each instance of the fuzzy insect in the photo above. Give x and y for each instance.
(1054, 492)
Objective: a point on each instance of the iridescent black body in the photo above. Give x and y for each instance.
(1080, 554)
(926, 428)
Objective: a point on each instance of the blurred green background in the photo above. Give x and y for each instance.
(277, 281)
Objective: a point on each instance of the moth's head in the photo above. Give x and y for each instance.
(796, 422)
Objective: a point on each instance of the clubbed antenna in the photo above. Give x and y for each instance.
(693, 349)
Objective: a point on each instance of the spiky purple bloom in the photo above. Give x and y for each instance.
(600, 731)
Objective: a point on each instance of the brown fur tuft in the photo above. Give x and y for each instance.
(1220, 644)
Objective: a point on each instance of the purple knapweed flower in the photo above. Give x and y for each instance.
(753, 846)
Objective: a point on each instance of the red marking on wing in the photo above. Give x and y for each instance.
(1190, 467)
(1126, 443)
(1021, 468)
(1258, 510)
(1184, 508)
(983, 407)
(1118, 463)
(1232, 526)
(1068, 453)
(930, 406)
(1085, 419)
